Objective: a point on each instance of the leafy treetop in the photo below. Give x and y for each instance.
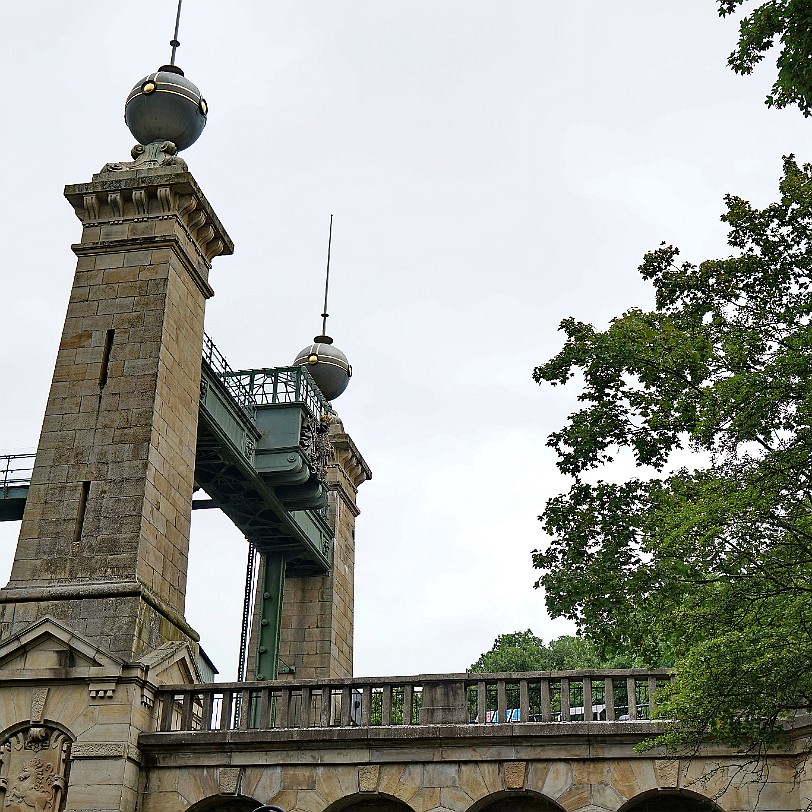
(791, 22)
(523, 651)
(707, 565)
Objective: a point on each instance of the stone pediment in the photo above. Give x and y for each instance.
(48, 645)
(172, 664)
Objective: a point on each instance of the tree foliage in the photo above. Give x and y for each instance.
(790, 21)
(523, 651)
(709, 564)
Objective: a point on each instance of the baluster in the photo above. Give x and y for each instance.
(186, 712)
(546, 713)
(652, 689)
(346, 707)
(307, 711)
(501, 701)
(366, 706)
(565, 699)
(326, 702)
(524, 701)
(225, 711)
(386, 705)
(167, 708)
(264, 708)
(481, 702)
(283, 708)
(408, 703)
(587, 685)
(631, 694)
(609, 698)
(244, 722)
(208, 703)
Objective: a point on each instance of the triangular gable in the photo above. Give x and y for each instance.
(48, 644)
(172, 664)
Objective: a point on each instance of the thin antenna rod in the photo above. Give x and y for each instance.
(174, 41)
(327, 280)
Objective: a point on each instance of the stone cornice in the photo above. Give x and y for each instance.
(347, 456)
(106, 589)
(145, 195)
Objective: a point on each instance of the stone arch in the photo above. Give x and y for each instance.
(670, 800)
(515, 801)
(225, 803)
(369, 802)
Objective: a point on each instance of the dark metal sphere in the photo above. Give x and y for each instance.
(327, 365)
(166, 106)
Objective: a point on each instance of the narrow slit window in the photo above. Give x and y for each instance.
(80, 516)
(105, 362)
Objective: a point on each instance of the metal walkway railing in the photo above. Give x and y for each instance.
(15, 471)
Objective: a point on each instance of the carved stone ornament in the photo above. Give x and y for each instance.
(368, 777)
(38, 698)
(229, 780)
(514, 774)
(33, 764)
(158, 153)
(667, 771)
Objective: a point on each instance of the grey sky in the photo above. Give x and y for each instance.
(492, 168)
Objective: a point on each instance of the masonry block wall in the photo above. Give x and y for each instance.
(104, 539)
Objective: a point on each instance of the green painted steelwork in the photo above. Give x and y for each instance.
(15, 477)
(273, 385)
(225, 468)
(12, 503)
(270, 616)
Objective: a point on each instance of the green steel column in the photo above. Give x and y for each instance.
(270, 616)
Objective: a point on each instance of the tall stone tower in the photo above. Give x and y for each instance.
(105, 533)
(318, 611)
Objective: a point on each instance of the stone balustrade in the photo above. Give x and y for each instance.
(428, 699)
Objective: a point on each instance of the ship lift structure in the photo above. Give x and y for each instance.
(261, 458)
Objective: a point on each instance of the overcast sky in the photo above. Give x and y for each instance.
(492, 165)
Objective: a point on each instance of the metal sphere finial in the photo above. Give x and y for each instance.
(165, 105)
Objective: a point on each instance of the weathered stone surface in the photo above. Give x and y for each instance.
(368, 776)
(121, 417)
(515, 774)
(229, 779)
(668, 772)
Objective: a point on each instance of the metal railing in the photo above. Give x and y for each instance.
(222, 370)
(284, 385)
(15, 469)
(468, 699)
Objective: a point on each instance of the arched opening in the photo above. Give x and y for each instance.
(518, 801)
(221, 803)
(676, 801)
(369, 803)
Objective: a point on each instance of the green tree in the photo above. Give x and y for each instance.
(708, 564)
(523, 651)
(791, 22)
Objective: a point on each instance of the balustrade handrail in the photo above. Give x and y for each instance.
(226, 375)
(266, 386)
(471, 677)
(273, 385)
(588, 695)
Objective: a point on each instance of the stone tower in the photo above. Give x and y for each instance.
(317, 615)
(104, 539)
(316, 638)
